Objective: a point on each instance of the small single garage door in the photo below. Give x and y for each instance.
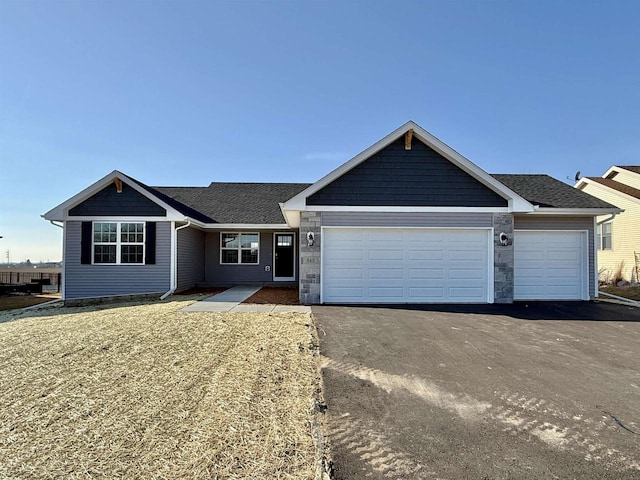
(550, 265)
(405, 265)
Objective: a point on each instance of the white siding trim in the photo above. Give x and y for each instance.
(63, 279)
(382, 209)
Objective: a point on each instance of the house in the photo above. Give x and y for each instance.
(407, 220)
(618, 238)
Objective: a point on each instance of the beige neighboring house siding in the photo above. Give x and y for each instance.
(625, 231)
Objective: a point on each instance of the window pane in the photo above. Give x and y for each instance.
(132, 232)
(284, 240)
(230, 240)
(250, 256)
(229, 256)
(104, 232)
(104, 254)
(131, 254)
(250, 240)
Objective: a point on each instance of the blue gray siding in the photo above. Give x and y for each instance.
(539, 222)
(190, 258)
(218, 274)
(108, 202)
(416, 177)
(406, 219)
(83, 281)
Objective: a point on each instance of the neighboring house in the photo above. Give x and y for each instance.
(618, 238)
(407, 220)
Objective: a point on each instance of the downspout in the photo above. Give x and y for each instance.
(174, 259)
(61, 287)
(595, 254)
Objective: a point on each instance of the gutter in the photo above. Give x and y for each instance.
(174, 264)
(598, 292)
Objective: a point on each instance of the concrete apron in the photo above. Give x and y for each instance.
(230, 301)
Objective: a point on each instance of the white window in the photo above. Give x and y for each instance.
(239, 248)
(604, 236)
(118, 242)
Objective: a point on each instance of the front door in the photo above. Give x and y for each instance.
(284, 257)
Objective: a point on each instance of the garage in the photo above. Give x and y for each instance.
(550, 265)
(406, 265)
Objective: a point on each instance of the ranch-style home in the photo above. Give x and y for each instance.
(408, 220)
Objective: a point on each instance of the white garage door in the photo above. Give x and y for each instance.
(550, 265)
(398, 265)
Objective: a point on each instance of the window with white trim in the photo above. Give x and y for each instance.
(239, 248)
(118, 243)
(604, 234)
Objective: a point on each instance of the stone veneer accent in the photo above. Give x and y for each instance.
(503, 258)
(310, 258)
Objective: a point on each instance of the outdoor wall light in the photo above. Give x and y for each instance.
(504, 239)
(310, 239)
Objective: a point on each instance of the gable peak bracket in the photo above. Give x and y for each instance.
(407, 139)
(118, 183)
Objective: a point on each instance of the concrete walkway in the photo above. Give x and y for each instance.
(231, 301)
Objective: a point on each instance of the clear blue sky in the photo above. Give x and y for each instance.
(189, 92)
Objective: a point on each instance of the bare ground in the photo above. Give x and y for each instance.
(627, 292)
(11, 302)
(148, 391)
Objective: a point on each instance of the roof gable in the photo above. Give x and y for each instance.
(61, 212)
(515, 202)
(114, 201)
(398, 176)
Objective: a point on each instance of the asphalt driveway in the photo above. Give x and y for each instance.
(523, 391)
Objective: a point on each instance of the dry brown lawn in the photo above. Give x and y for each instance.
(148, 391)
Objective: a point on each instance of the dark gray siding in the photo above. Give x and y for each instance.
(190, 258)
(102, 280)
(416, 177)
(108, 202)
(405, 219)
(538, 222)
(217, 274)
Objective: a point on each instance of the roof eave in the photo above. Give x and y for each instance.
(587, 181)
(587, 212)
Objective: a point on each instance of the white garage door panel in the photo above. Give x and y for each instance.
(550, 266)
(405, 265)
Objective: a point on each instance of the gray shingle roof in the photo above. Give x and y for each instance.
(546, 191)
(256, 203)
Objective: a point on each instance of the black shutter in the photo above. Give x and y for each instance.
(85, 243)
(150, 243)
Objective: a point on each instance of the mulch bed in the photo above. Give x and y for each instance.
(275, 296)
